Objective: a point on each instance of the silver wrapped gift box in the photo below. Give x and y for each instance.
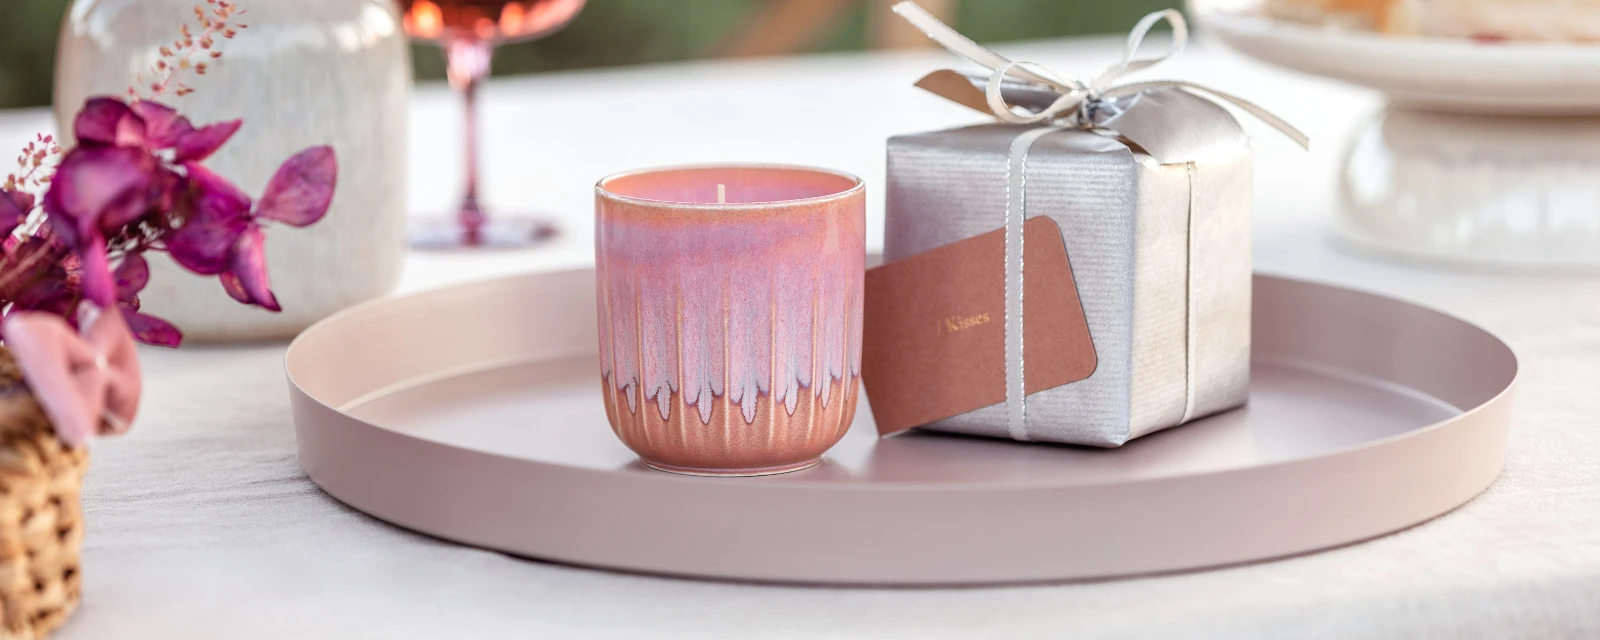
(1153, 204)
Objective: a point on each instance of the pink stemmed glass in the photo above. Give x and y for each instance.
(468, 31)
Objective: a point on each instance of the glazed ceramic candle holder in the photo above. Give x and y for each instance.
(730, 314)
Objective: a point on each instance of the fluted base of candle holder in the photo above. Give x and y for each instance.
(734, 473)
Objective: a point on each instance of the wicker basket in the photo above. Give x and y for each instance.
(41, 521)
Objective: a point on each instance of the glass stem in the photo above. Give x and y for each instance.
(467, 65)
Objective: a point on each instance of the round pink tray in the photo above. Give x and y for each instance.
(473, 414)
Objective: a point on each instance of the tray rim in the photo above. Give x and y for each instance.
(1481, 416)
(512, 361)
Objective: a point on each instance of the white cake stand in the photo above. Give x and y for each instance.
(1485, 156)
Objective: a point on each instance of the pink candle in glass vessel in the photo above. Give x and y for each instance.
(730, 314)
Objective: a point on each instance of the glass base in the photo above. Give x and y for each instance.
(1472, 191)
(487, 232)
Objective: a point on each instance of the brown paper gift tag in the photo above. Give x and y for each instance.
(934, 337)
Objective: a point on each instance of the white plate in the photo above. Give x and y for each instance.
(1436, 73)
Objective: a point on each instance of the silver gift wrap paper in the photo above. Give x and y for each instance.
(1154, 208)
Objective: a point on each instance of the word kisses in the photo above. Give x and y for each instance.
(952, 324)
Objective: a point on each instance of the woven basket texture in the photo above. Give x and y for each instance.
(41, 518)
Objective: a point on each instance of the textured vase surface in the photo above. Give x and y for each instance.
(730, 334)
(305, 72)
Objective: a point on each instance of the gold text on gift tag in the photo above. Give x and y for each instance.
(952, 324)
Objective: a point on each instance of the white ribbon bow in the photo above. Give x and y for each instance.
(1077, 97)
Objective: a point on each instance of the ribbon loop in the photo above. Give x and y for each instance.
(1070, 100)
(1077, 98)
(1130, 64)
(963, 46)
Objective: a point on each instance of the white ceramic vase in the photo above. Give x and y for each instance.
(305, 72)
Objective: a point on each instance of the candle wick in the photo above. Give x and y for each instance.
(722, 194)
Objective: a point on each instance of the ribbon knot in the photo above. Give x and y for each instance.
(1077, 100)
(88, 383)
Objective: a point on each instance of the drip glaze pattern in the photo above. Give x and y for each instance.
(730, 333)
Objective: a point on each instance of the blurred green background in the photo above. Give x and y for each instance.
(613, 32)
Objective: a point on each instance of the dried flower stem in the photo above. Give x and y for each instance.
(80, 250)
(217, 21)
(38, 164)
(34, 164)
(220, 19)
(37, 161)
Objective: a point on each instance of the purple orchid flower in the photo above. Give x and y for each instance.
(72, 267)
(14, 208)
(52, 286)
(135, 182)
(214, 214)
(131, 276)
(58, 287)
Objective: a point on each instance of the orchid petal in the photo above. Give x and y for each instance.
(98, 188)
(167, 188)
(61, 226)
(124, 211)
(12, 213)
(163, 126)
(152, 330)
(89, 180)
(54, 300)
(22, 199)
(52, 288)
(97, 281)
(214, 193)
(102, 121)
(300, 192)
(249, 266)
(131, 277)
(217, 213)
(234, 287)
(200, 143)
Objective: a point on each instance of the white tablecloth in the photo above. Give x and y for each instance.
(202, 525)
